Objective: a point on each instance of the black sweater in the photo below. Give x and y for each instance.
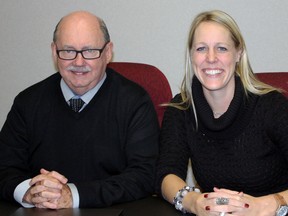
(108, 150)
(246, 149)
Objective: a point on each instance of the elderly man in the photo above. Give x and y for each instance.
(83, 137)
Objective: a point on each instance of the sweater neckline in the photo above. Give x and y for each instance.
(232, 120)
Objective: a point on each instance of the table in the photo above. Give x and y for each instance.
(151, 206)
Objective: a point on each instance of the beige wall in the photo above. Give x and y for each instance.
(148, 31)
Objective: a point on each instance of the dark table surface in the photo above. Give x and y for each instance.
(152, 206)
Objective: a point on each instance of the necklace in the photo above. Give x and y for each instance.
(217, 114)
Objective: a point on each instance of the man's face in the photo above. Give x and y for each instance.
(80, 33)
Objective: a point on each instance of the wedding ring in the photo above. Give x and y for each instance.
(222, 214)
(222, 201)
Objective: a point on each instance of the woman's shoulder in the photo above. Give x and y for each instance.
(273, 104)
(274, 97)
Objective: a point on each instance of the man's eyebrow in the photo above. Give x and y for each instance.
(83, 48)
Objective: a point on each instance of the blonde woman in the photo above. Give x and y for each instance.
(233, 127)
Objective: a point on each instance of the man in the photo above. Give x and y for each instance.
(56, 156)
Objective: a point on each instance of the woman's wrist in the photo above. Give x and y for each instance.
(181, 194)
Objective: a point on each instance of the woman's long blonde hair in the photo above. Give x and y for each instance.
(243, 68)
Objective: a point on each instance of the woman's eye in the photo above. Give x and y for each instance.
(222, 49)
(200, 49)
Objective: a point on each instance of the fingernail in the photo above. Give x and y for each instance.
(246, 205)
(205, 195)
(207, 208)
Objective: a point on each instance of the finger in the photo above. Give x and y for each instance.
(225, 190)
(44, 171)
(50, 194)
(46, 205)
(38, 205)
(55, 175)
(51, 183)
(227, 204)
(47, 181)
(49, 205)
(38, 200)
(37, 189)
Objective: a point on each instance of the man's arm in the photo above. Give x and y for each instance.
(136, 181)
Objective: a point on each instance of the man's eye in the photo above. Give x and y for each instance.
(69, 51)
(90, 51)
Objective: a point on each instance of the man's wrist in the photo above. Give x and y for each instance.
(75, 195)
(20, 192)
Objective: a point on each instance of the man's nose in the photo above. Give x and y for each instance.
(79, 60)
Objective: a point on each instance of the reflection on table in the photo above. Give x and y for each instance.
(152, 206)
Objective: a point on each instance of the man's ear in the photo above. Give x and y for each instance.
(109, 52)
(53, 49)
(54, 55)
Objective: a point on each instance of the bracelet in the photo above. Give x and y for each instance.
(177, 201)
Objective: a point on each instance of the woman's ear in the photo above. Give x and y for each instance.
(239, 55)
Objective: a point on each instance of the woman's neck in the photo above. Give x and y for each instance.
(219, 100)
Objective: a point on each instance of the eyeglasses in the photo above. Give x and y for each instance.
(86, 53)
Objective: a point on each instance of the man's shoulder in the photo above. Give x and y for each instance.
(125, 85)
(41, 86)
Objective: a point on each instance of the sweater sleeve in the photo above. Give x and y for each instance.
(14, 152)
(114, 162)
(141, 152)
(174, 150)
(276, 118)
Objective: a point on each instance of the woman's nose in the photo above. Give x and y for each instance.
(211, 56)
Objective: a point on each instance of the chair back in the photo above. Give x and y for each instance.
(151, 79)
(276, 79)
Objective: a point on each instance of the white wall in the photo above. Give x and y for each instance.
(147, 31)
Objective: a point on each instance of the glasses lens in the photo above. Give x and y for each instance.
(67, 54)
(91, 53)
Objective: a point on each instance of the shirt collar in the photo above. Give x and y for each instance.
(87, 97)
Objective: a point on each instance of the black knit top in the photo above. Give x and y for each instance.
(246, 149)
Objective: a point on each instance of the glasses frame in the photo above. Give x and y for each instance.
(81, 51)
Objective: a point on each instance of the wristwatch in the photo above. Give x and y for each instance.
(283, 206)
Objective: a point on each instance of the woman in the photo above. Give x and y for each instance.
(233, 127)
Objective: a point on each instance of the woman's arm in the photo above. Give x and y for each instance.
(171, 184)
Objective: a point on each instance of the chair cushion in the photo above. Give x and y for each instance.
(150, 78)
(276, 79)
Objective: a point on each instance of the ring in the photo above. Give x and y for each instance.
(222, 201)
(222, 214)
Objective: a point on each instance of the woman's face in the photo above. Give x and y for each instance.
(214, 57)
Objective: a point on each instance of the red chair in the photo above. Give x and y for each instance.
(151, 79)
(276, 79)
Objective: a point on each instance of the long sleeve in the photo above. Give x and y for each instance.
(174, 151)
(249, 142)
(108, 150)
(140, 152)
